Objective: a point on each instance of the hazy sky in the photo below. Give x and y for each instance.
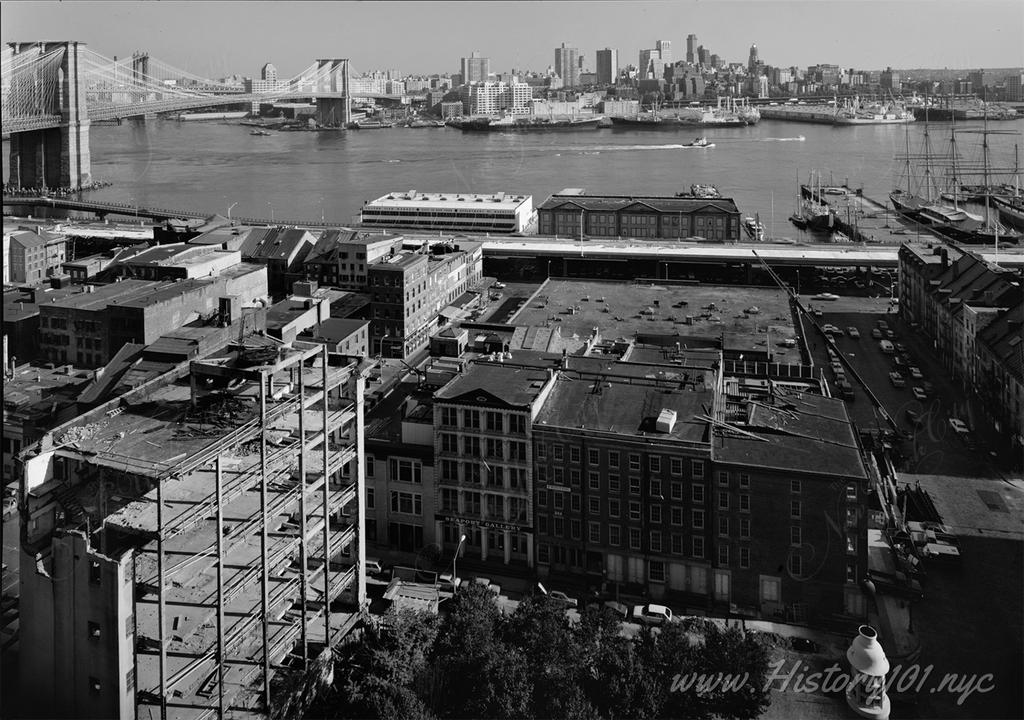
(220, 38)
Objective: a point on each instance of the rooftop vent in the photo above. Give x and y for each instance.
(666, 420)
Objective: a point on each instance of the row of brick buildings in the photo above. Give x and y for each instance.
(973, 311)
(616, 479)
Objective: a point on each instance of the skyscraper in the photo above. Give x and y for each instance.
(475, 68)
(664, 48)
(703, 55)
(269, 73)
(691, 48)
(567, 65)
(753, 61)
(607, 66)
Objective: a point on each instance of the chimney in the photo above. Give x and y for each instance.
(945, 258)
(666, 420)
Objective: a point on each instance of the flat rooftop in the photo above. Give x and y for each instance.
(621, 310)
(624, 409)
(450, 201)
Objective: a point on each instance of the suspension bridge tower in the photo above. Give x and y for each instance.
(333, 103)
(46, 115)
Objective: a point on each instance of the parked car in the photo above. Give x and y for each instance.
(927, 387)
(853, 332)
(652, 614)
(499, 285)
(825, 296)
(876, 333)
(10, 507)
(374, 566)
(883, 325)
(897, 380)
(915, 372)
(564, 599)
(919, 394)
(901, 348)
(493, 588)
(621, 610)
(890, 334)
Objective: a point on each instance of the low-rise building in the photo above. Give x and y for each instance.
(343, 336)
(574, 213)
(178, 261)
(499, 213)
(341, 258)
(34, 255)
(282, 250)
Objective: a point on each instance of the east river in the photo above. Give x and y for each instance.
(212, 166)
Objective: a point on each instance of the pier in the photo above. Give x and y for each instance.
(864, 220)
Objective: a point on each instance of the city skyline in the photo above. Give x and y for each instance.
(191, 35)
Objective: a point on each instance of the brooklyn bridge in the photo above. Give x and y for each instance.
(53, 91)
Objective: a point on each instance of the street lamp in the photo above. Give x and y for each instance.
(230, 208)
(455, 575)
(271, 206)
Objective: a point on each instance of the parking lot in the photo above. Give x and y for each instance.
(932, 444)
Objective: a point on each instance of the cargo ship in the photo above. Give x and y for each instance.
(727, 113)
(524, 124)
(857, 112)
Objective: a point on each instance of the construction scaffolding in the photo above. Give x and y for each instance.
(243, 555)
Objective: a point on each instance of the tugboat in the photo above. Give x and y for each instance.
(259, 132)
(754, 229)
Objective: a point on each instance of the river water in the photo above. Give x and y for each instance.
(309, 175)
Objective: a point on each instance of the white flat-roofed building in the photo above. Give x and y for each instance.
(496, 213)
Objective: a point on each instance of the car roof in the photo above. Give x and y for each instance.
(658, 608)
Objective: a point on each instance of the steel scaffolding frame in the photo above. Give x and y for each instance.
(274, 466)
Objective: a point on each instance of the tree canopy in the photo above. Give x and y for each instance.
(475, 662)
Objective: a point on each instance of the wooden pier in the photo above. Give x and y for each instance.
(864, 220)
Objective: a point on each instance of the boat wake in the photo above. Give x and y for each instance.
(798, 138)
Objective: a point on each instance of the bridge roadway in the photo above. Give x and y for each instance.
(775, 254)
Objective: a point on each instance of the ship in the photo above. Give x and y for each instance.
(369, 125)
(259, 132)
(1011, 210)
(727, 113)
(754, 228)
(524, 124)
(858, 112)
(701, 142)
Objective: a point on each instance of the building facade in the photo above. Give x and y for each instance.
(475, 69)
(607, 66)
(500, 213)
(33, 257)
(581, 215)
(567, 65)
(341, 258)
(497, 98)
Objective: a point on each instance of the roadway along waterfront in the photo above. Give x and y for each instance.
(209, 167)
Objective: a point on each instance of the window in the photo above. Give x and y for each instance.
(654, 488)
(542, 524)
(495, 448)
(557, 452)
(517, 424)
(794, 509)
(370, 505)
(744, 557)
(613, 459)
(449, 443)
(796, 565)
(677, 544)
(574, 478)
(517, 451)
(94, 573)
(542, 452)
(614, 535)
(594, 532)
(744, 527)
(471, 419)
(575, 528)
(634, 486)
(593, 457)
(405, 470)
(655, 462)
(409, 503)
(851, 491)
(795, 535)
(744, 502)
(676, 489)
(370, 463)
(697, 493)
(656, 571)
(698, 520)
(613, 508)
(543, 553)
(449, 500)
(723, 554)
(574, 502)
(594, 480)
(634, 539)
(634, 510)
(655, 540)
(744, 480)
(471, 473)
(494, 423)
(559, 527)
(634, 461)
(851, 543)
(595, 505)
(559, 501)
(613, 483)
(723, 478)
(655, 513)
(676, 513)
(723, 501)
(472, 446)
(558, 476)
(795, 486)
(449, 417)
(449, 470)
(574, 454)
(697, 469)
(675, 466)
(698, 547)
(723, 526)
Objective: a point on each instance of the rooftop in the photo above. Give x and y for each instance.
(103, 295)
(413, 198)
(486, 383)
(654, 203)
(625, 409)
